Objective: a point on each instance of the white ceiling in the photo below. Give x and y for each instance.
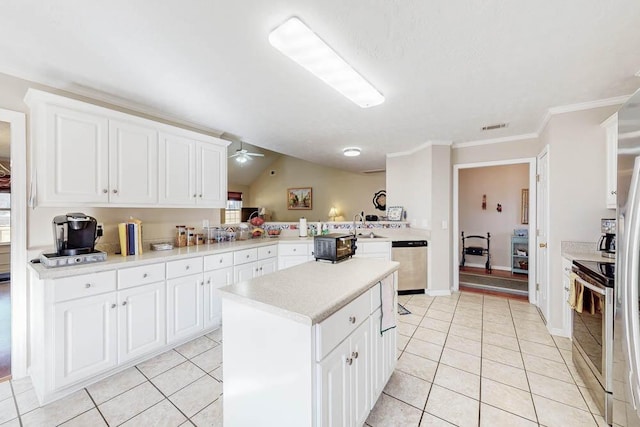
(446, 68)
(246, 173)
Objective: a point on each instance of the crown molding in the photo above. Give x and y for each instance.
(589, 105)
(419, 148)
(494, 140)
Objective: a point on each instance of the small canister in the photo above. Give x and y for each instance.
(181, 236)
(191, 236)
(199, 239)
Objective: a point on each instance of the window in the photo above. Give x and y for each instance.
(232, 215)
(5, 217)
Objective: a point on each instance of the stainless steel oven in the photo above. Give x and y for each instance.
(592, 331)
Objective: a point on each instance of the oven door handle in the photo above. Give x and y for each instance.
(590, 286)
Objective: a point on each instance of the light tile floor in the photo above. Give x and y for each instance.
(464, 360)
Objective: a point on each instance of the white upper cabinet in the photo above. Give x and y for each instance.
(133, 161)
(611, 126)
(86, 155)
(178, 170)
(75, 160)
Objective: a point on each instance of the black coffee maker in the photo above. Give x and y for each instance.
(74, 234)
(607, 243)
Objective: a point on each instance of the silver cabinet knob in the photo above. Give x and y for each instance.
(209, 281)
(220, 261)
(200, 196)
(566, 289)
(260, 268)
(115, 191)
(354, 354)
(88, 285)
(349, 361)
(202, 283)
(113, 305)
(145, 275)
(352, 319)
(105, 191)
(187, 267)
(194, 196)
(247, 256)
(124, 303)
(294, 249)
(613, 192)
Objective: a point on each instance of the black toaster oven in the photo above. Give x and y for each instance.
(334, 247)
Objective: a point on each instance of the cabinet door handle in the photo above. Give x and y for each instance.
(105, 191)
(209, 281)
(354, 354)
(115, 191)
(202, 283)
(88, 285)
(349, 361)
(200, 196)
(260, 268)
(294, 249)
(543, 245)
(194, 196)
(187, 267)
(145, 275)
(248, 256)
(567, 269)
(352, 319)
(613, 192)
(124, 303)
(220, 261)
(113, 305)
(566, 289)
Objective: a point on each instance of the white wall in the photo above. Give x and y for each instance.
(409, 185)
(501, 184)
(577, 190)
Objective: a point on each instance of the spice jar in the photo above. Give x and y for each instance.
(199, 239)
(181, 236)
(191, 236)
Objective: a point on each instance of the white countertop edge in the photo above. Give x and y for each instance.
(116, 261)
(586, 256)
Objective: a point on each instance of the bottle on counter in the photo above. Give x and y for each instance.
(191, 236)
(181, 236)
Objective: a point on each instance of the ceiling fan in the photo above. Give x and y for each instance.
(242, 156)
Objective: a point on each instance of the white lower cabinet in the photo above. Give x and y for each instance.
(184, 307)
(142, 320)
(567, 312)
(344, 381)
(85, 338)
(212, 304)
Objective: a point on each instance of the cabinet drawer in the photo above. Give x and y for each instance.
(373, 247)
(267, 252)
(214, 262)
(184, 267)
(333, 330)
(295, 249)
(84, 285)
(130, 277)
(244, 256)
(566, 266)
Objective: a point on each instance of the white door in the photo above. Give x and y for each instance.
(244, 272)
(77, 160)
(360, 375)
(184, 307)
(212, 175)
(542, 214)
(212, 302)
(141, 320)
(85, 331)
(177, 172)
(133, 168)
(335, 387)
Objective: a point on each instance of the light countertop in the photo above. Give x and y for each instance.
(150, 257)
(586, 256)
(309, 293)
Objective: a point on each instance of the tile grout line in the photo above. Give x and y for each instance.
(163, 395)
(15, 404)
(95, 406)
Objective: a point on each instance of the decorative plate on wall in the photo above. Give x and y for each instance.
(394, 213)
(380, 200)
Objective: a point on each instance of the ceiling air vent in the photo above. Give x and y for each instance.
(496, 126)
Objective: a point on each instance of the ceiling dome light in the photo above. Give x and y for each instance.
(351, 151)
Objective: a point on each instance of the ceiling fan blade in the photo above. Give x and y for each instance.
(255, 154)
(234, 155)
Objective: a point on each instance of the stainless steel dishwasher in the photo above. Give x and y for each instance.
(412, 256)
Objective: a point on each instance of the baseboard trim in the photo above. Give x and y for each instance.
(493, 267)
(438, 293)
(559, 332)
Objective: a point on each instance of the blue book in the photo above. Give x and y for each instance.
(131, 239)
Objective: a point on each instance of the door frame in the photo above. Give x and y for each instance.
(455, 230)
(547, 280)
(19, 302)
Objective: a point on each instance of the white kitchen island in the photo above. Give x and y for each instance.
(302, 346)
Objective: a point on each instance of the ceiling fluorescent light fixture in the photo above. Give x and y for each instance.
(298, 42)
(351, 151)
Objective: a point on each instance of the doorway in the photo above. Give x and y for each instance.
(13, 224)
(494, 204)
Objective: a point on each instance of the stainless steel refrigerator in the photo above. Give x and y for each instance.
(626, 346)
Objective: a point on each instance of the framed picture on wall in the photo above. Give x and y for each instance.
(299, 198)
(394, 213)
(524, 210)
